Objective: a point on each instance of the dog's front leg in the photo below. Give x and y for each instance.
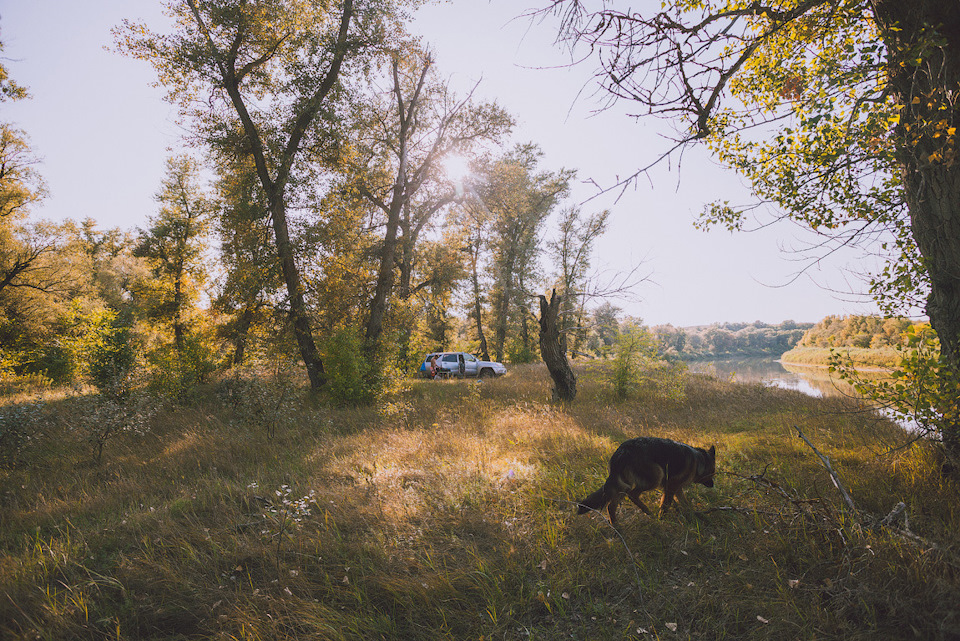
(634, 496)
(667, 500)
(683, 499)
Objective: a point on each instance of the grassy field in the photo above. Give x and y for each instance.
(255, 513)
(885, 357)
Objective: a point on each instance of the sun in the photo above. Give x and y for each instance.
(456, 168)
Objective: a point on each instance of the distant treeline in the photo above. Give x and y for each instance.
(856, 331)
(724, 340)
(867, 340)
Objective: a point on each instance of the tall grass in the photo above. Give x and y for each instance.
(883, 357)
(449, 515)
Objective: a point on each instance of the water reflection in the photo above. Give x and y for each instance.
(813, 381)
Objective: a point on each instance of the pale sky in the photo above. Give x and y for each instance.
(104, 134)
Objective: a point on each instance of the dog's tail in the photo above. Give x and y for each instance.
(595, 501)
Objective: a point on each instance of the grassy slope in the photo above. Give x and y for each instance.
(448, 516)
(886, 357)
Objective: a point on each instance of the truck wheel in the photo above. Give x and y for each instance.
(486, 373)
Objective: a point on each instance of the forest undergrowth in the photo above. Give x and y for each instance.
(254, 510)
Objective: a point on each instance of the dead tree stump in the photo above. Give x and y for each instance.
(553, 349)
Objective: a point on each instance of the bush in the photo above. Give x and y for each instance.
(637, 366)
(20, 427)
(112, 359)
(351, 375)
(175, 372)
(55, 362)
(635, 348)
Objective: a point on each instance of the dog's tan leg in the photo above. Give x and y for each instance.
(665, 502)
(612, 509)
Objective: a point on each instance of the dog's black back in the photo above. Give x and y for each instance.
(648, 462)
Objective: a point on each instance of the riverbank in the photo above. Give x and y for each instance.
(882, 358)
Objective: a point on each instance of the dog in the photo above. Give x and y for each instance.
(645, 463)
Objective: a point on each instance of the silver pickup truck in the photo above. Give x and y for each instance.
(461, 365)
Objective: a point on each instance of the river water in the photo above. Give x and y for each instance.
(813, 381)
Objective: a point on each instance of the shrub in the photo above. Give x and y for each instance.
(352, 377)
(175, 372)
(635, 348)
(20, 427)
(112, 359)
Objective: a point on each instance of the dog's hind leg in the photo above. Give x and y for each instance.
(612, 508)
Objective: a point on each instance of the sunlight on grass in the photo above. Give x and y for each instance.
(451, 516)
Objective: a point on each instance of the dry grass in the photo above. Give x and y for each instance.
(448, 514)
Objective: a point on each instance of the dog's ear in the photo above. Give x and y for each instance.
(713, 452)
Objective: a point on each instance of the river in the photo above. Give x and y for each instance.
(813, 381)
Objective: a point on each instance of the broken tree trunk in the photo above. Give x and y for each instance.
(553, 349)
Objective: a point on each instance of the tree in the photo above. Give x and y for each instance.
(843, 113)
(263, 77)
(553, 348)
(572, 253)
(252, 267)
(9, 89)
(402, 138)
(473, 219)
(175, 243)
(519, 199)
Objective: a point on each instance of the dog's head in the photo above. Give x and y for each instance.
(707, 466)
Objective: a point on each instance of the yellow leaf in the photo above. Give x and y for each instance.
(915, 101)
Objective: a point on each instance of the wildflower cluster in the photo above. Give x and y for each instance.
(288, 512)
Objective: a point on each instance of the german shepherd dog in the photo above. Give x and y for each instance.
(645, 463)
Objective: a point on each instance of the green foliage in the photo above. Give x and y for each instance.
(857, 331)
(519, 351)
(175, 372)
(636, 349)
(922, 390)
(352, 378)
(113, 358)
(728, 339)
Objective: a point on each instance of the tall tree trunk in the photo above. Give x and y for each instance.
(477, 307)
(378, 306)
(240, 335)
(178, 328)
(503, 308)
(553, 349)
(923, 41)
(298, 308)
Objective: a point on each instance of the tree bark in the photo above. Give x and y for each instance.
(298, 307)
(553, 349)
(923, 41)
(241, 334)
(477, 306)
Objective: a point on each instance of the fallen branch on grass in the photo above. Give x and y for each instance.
(886, 523)
(833, 475)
